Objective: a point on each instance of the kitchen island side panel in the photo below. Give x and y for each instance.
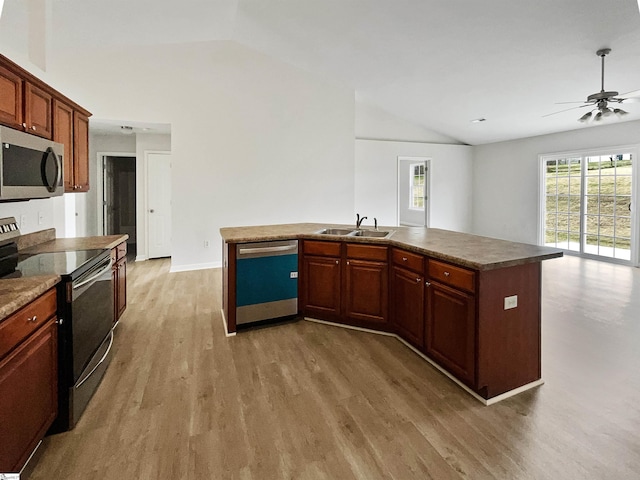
(509, 340)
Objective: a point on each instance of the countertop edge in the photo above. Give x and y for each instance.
(23, 291)
(304, 234)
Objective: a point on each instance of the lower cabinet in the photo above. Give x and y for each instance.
(407, 305)
(366, 285)
(28, 380)
(451, 330)
(346, 283)
(321, 287)
(119, 275)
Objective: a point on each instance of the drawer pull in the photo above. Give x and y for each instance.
(427, 284)
(337, 262)
(418, 280)
(404, 259)
(32, 319)
(446, 274)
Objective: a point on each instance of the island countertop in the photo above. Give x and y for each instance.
(472, 251)
(79, 243)
(15, 293)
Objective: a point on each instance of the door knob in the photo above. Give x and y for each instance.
(151, 211)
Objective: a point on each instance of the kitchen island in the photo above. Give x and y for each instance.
(470, 305)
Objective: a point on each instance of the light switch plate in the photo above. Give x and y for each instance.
(510, 302)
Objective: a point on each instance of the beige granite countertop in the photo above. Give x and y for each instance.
(80, 243)
(472, 251)
(15, 293)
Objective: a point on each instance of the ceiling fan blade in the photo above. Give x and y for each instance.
(631, 94)
(567, 103)
(566, 110)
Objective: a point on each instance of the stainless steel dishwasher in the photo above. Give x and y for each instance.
(266, 280)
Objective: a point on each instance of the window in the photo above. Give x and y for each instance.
(587, 203)
(417, 182)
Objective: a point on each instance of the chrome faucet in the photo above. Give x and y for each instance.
(359, 220)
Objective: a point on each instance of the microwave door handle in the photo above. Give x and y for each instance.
(51, 153)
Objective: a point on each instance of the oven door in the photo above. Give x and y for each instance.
(91, 314)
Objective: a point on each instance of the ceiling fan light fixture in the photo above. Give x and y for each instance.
(619, 111)
(598, 117)
(584, 118)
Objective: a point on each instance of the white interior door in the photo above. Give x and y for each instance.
(159, 204)
(413, 191)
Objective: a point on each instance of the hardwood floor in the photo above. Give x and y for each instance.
(311, 401)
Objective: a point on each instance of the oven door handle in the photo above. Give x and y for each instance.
(97, 364)
(93, 277)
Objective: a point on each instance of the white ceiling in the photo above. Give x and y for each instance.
(438, 63)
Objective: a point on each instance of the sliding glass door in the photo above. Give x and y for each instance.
(588, 204)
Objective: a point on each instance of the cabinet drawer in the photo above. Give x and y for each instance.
(451, 275)
(121, 250)
(367, 252)
(25, 321)
(327, 249)
(409, 260)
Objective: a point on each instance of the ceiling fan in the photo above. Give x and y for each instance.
(602, 99)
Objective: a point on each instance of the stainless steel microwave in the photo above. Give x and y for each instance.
(30, 166)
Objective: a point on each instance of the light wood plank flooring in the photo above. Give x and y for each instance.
(310, 401)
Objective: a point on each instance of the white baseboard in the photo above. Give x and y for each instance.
(194, 266)
(482, 400)
(141, 258)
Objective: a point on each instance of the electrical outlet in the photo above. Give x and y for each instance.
(23, 221)
(293, 275)
(206, 244)
(510, 302)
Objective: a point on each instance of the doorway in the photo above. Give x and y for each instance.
(119, 198)
(413, 191)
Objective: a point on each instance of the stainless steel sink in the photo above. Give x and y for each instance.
(371, 233)
(335, 231)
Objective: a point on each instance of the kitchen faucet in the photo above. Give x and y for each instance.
(359, 220)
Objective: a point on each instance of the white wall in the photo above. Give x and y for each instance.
(376, 186)
(52, 211)
(254, 141)
(506, 177)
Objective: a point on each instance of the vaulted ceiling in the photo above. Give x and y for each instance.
(437, 63)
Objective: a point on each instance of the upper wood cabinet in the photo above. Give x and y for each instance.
(11, 108)
(28, 104)
(38, 111)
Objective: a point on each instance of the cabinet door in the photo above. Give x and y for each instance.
(29, 399)
(366, 294)
(38, 111)
(407, 305)
(80, 152)
(10, 99)
(63, 133)
(451, 330)
(321, 287)
(121, 287)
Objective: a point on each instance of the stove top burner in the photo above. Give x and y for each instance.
(55, 263)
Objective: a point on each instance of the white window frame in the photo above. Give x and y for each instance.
(635, 203)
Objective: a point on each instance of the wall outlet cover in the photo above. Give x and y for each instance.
(510, 302)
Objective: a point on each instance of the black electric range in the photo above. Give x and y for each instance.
(85, 316)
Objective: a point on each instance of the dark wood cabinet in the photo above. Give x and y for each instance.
(119, 276)
(451, 330)
(366, 285)
(407, 305)
(28, 380)
(28, 104)
(408, 296)
(322, 287)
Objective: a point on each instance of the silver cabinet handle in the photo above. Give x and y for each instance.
(446, 274)
(337, 262)
(24, 125)
(404, 259)
(348, 262)
(428, 284)
(33, 127)
(418, 280)
(33, 319)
